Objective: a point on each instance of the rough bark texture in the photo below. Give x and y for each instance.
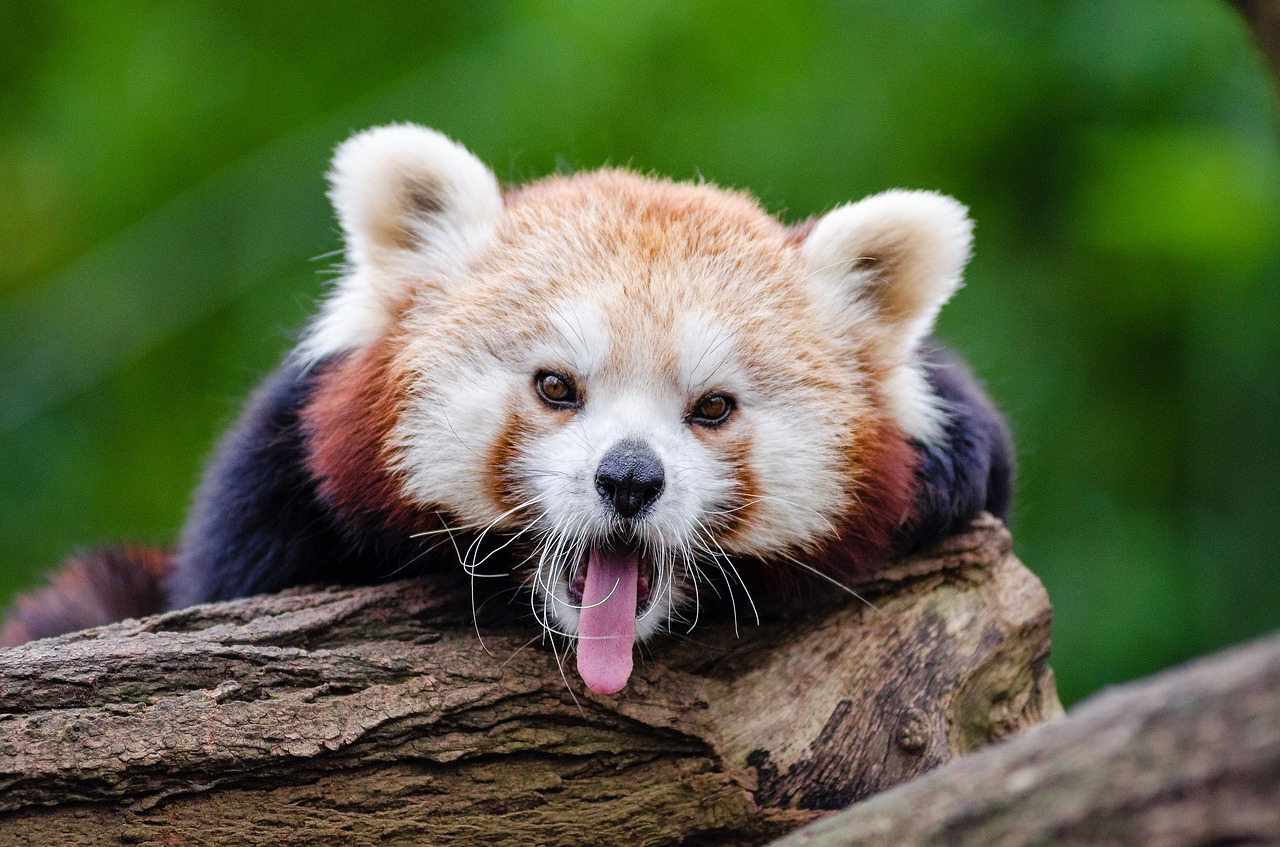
(1263, 17)
(376, 716)
(1188, 757)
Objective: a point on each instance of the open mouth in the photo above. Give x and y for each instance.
(644, 577)
(612, 587)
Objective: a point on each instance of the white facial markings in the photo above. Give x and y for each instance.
(785, 437)
(639, 370)
(707, 349)
(797, 497)
(630, 392)
(456, 411)
(579, 338)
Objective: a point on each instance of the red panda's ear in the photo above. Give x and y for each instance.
(888, 263)
(415, 208)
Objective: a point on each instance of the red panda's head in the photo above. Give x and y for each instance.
(641, 381)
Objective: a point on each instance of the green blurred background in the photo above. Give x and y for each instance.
(163, 234)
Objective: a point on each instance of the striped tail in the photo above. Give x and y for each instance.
(94, 588)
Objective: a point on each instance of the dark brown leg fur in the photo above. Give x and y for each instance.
(98, 587)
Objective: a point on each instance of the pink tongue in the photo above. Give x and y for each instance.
(607, 627)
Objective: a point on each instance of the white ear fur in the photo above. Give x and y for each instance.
(415, 208)
(884, 266)
(896, 257)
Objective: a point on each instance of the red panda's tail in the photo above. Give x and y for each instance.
(94, 588)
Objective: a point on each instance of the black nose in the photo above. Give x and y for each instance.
(630, 477)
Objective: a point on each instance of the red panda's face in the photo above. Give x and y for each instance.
(637, 381)
(633, 367)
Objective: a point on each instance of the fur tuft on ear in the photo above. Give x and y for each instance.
(415, 208)
(884, 266)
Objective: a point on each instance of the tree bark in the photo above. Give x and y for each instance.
(1263, 17)
(1188, 757)
(376, 715)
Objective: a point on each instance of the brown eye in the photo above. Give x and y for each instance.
(712, 410)
(556, 391)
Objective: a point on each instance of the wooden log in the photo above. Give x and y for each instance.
(377, 716)
(1187, 758)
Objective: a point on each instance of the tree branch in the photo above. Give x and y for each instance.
(1263, 17)
(1187, 758)
(375, 715)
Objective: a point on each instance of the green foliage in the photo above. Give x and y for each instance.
(161, 208)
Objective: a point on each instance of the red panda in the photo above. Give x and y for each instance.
(627, 388)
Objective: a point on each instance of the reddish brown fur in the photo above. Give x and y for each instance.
(881, 466)
(747, 492)
(884, 492)
(348, 423)
(500, 475)
(798, 232)
(91, 590)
